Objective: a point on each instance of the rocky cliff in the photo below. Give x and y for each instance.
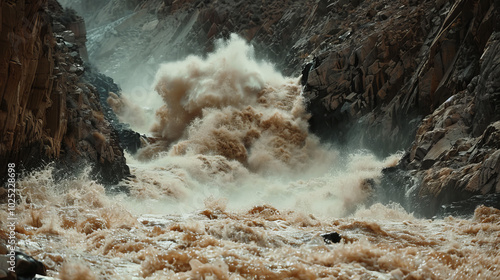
(405, 61)
(456, 152)
(420, 76)
(47, 111)
(154, 31)
(398, 62)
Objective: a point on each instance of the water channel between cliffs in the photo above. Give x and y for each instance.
(233, 186)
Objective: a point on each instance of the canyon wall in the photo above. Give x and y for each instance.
(397, 64)
(418, 74)
(47, 111)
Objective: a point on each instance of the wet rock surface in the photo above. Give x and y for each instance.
(385, 73)
(15, 265)
(47, 111)
(332, 237)
(456, 152)
(129, 139)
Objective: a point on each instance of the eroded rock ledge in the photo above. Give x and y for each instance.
(47, 112)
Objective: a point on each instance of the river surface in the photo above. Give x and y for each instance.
(232, 186)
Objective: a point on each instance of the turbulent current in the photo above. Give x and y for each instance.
(232, 186)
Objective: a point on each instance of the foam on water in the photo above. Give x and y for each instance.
(80, 233)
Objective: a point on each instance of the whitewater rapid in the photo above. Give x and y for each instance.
(233, 186)
(231, 127)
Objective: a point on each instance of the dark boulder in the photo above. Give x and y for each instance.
(24, 267)
(332, 237)
(28, 267)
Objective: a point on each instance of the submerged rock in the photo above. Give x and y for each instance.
(466, 208)
(23, 267)
(332, 237)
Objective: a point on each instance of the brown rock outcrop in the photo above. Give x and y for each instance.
(434, 58)
(456, 153)
(396, 67)
(46, 111)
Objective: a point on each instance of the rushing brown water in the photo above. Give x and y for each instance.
(234, 187)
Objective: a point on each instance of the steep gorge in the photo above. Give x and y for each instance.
(230, 182)
(383, 69)
(419, 76)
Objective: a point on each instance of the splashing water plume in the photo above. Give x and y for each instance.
(229, 77)
(232, 186)
(235, 128)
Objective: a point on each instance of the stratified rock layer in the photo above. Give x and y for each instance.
(46, 111)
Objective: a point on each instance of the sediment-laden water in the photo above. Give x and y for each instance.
(232, 186)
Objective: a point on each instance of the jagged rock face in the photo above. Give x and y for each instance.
(47, 112)
(434, 58)
(129, 139)
(399, 64)
(355, 86)
(456, 153)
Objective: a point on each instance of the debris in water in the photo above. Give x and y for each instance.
(332, 237)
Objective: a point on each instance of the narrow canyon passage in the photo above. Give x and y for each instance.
(231, 139)
(235, 187)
